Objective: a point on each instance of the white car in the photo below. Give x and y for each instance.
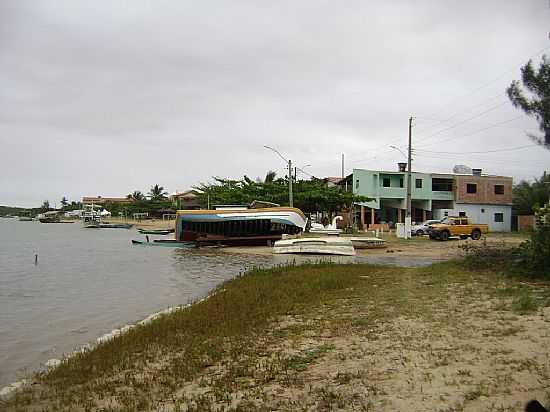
(422, 228)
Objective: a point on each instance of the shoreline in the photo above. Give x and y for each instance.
(340, 339)
(397, 254)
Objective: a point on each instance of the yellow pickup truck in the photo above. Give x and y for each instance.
(457, 226)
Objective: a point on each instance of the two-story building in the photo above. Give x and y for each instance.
(485, 199)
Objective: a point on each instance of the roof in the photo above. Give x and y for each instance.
(432, 173)
(333, 179)
(187, 193)
(100, 199)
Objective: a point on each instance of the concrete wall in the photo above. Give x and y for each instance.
(370, 183)
(526, 222)
(481, 214)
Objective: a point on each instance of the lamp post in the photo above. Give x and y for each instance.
(290, 197)
(301, 169)
(399, 150)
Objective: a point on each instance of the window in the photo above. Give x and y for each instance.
(462, 214)
(386, 182)
(401, 182)
(482, 210)
(499, 189)
(419, 183)
(471, 188)
(499, 217)
(357, 183)
(446, 214)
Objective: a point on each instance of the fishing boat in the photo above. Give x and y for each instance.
(167, 243)
(91, 219)
(53, 216)
(315, 245)
(156, 231)
(243, 226)
(115, 225)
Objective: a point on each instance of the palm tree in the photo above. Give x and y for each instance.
(270, 176)
(157, 193)
(137, 195)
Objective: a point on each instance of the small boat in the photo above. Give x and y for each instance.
(316, 246)
(156, 231)
(25, 219)
(367, 242)
(166, 243)
(115, 225)
(53, 217)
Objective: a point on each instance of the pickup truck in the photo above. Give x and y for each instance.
(457, 226)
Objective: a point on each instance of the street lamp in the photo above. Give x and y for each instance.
(301, 169)
(290, 197)
(399, 150)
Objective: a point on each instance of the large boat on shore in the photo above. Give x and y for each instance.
(238, 226)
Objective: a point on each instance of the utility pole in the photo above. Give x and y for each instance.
(290, 199)
(409, 184)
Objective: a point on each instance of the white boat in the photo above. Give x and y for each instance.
(316, 246)
(367, 242)
(91, 218)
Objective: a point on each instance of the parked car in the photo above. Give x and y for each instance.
(457, 226)
(422, 228)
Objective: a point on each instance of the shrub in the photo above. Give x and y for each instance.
(534, 254)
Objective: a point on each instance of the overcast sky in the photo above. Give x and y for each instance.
(108, 97)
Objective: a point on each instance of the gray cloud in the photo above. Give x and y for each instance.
(108, 97)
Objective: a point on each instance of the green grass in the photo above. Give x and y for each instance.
(228, 342)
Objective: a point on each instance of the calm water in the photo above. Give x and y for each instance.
(88, 282)
(91, 281)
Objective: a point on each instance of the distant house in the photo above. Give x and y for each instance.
(187, 200)
(333, 181)
(99, 200)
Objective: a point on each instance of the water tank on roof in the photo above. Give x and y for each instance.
(462, 169)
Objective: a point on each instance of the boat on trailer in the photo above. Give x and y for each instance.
(315, 246)
(261, 226)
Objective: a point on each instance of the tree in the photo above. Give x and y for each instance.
(157, 193)
(538, 85)
(45, 206)
(309, 195)
(529, 196)
(136, 195)
(64, 201)
(270, 176)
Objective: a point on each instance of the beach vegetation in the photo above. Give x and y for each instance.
(311, 337)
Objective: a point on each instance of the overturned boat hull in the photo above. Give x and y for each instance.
(315, 246)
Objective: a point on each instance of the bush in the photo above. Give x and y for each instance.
(534, 253)
(480, 255)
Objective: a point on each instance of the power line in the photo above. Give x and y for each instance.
(474, 132)
(538, 52)
(481, 152)
(490, 109)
